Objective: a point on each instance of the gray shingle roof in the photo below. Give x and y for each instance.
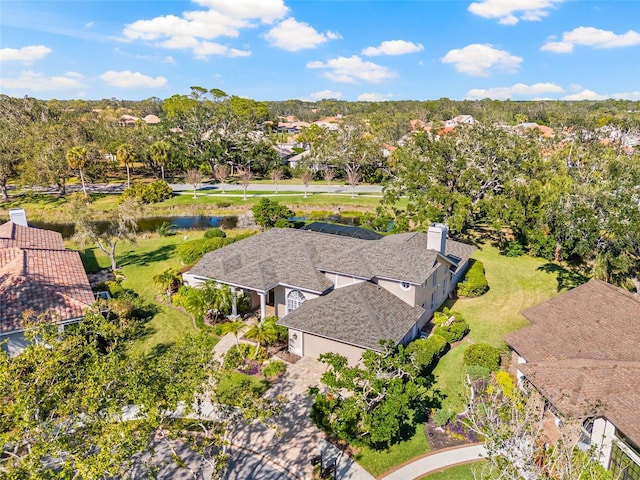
(361, 314)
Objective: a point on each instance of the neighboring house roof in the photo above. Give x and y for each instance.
(373, 312)
(151, 119)
(38, 274)
(582, 353)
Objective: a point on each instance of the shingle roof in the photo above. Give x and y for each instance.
(37, 273)
(582, 349)
(298, 258)
(361, 314)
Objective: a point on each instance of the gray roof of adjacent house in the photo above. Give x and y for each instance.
(299, 258)
(374, 314)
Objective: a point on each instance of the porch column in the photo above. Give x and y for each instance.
(263, 306)
(234, 303)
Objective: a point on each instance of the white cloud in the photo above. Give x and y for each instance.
(585, 95)
(393, 47)
(325, 94)
(266, 10)
(26, 55)
(351, 69)
(169, 59)
(519, 90)
(591, 37)
(196, 28)
(128, 79)
(39, 82)
(626, 95)
(477, 59)
(510, 12)
(374, 97)
(89, 24)
(292, 36)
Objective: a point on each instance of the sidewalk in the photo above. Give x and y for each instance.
(438, 460)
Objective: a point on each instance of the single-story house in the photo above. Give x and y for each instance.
(37, 275)
(582, 353)
(338, 293)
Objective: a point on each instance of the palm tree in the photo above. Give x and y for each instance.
(234, 327)
(77, 158)
(159, 153)
(263, 333)
(169, 280)
(126, 155)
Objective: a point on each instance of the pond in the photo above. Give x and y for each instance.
(196, 222)
(151, 224)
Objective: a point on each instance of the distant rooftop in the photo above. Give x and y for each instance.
(344, 230)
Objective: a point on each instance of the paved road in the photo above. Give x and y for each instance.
(437, 461)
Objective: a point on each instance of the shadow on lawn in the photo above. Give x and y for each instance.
(566, 278)
(158, 255)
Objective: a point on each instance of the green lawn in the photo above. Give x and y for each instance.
(151, 255)
(461, 472)
(378, 462)
(515, 284)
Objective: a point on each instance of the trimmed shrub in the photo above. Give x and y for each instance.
(476, 372)
(441, 417)
(193, 250)
(483, 355)
(513, 249)
(427, 351)
(214, 233)
(274, 369)
(454, 331)
(237, 388)
(114, 287)
(153, 192)
(474, 283)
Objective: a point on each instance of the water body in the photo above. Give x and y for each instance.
(151, 224)
(196, 222)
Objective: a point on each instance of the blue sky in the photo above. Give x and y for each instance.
(309, 50)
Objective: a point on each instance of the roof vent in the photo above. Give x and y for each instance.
(18, 216)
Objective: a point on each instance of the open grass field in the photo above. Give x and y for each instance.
(151, 255)
(515, 284)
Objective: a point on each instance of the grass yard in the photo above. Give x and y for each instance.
(460, 472)
(515, 284)
(378, 462)
(151, 255)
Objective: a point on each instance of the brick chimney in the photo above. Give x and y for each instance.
(18, 216)
(437, 237)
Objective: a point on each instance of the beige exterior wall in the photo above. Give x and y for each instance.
(408, 296)
(313, 346)
(441, 289)
(342, 280)
(280, 299)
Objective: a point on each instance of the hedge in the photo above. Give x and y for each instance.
(193, 250)
(453, 332)
(153, 192)
(474, 283)
(483, 355)
(214, 233)
(427, 351)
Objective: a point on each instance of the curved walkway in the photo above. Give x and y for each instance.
(438, 460)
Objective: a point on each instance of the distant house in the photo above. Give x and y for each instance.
(543, 129)
(460, 120)
(338, 293)
(582, 353)
(37, 274)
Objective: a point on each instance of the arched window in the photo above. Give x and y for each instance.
(295, 298)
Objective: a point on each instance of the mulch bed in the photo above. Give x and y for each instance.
(283, 353)
(438, 438)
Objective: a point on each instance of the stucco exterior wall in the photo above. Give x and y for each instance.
(313, 346)
(441, 287)
(340, 281)
(280, 299)
(603, 435)
(408, 296)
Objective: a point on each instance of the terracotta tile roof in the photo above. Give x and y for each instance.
(374, 314)
(38, 274)
(582, 351)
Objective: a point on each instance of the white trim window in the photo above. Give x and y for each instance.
(295, 298)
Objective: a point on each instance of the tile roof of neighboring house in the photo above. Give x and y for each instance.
(582, 349)
(298, 258)
(37, 273)
(374, 314)
(151, 119)
(584, 388)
